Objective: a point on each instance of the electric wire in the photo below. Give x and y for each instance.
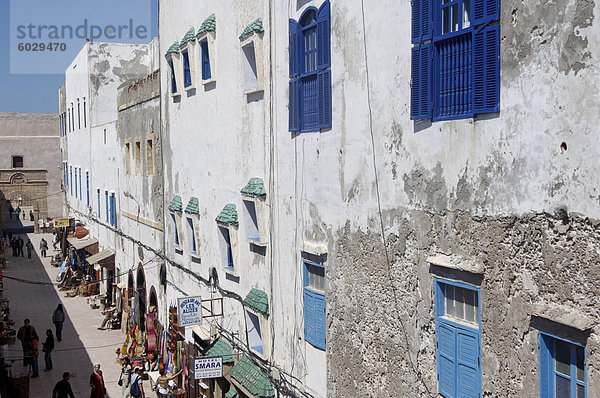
(387, 257)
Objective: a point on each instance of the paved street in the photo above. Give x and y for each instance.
(82, 345)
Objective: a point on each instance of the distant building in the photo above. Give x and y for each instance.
(29, 165)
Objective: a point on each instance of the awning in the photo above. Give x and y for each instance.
(201, 332)
(252, 378)
(102, 259)
(81, 243)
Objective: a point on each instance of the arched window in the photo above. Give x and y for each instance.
(17, 162)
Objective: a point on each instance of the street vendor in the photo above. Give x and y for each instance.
(162, 383)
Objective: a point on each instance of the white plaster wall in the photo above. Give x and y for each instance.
(215, 142)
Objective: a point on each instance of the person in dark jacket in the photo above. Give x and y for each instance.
(21, 244)
(48, 347)
(58, 318)
(63, 389)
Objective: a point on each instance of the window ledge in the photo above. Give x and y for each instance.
(176, 94)
(178, 249)
(254, 91)
(258, 243)
(190, 88)
(563, 315)
(231, 271)
(209, 81)
(458, 263)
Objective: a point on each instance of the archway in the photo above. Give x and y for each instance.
(141, 291)
(129, 285)
(153, 301)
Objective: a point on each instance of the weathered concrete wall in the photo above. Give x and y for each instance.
(34, 136)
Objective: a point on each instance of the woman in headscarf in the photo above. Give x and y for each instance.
(97, 383)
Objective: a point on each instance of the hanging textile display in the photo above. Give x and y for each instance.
(150, 332)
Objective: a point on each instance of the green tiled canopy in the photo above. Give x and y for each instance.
(228, 215)
(220, 348)
(232, 393)
(255, 26)
(189, 36)
(174, 49)
(258, 301)
(209, 25)
(252, 378)
(176, 204)
(192, 206)
(255, 187)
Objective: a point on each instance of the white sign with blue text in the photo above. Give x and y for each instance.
(208, 368)
(189, 311)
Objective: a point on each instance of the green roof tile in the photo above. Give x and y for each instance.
(209, 25)
(220, 348)
(176, 204)
(232, 393)
(254, 26)
(189, 36)
(255, 187)
(258, 301)
(252, 378)
(192, 206)
(174, 49)
(228, 215)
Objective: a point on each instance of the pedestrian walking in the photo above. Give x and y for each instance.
(137, 389)
(58, 318)
(125, 378)
(18, 211)
(15, 246)
(30, 343)
(9, 236)
(97, 383)
(29, 246)
(55, 242)
(31, 216)
(48, 347)
(43, 247)
(63, 389)
(21, 243)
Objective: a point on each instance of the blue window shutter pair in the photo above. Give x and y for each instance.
(205, 60)
(421, 21)
(99, 215)
(457, 361)
(486, 69)
(324, 64)
(294, 106)
(421, 76)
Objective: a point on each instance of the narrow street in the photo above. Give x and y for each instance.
(82, 344)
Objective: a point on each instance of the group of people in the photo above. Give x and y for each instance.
(30, 341)
(17, 243)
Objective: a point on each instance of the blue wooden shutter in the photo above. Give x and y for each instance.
(294, 117)
(485, 11)
(324, 87)
(320, 315)
(446, 359)
(467, 367)
(205, 61)
(87, 187)
(293, 48)
(106, 200)
(420, 101)
(309, 317)
(421, 21)
(80, 188)
(173, 80)
(323, 37)
(546, 365)
(486, 70)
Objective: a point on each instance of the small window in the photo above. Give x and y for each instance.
(149, 157)
(192, 235)
(228, 253)
(205, 56)
(71, 179)
(80, 185)
(76, 182)
(99, 203)
(104, 136)
(461, 304)
(187, 72)
(84, 114)
(107, 206)
(173, 79)
(138, 157)
(17, 162)
(252, 232)
(250, 71)
(78, 114)
(87, 188)
(128, 158)
(175, 231)
(254, 333)
(562, 368)
(113, 210)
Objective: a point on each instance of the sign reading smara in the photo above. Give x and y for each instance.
(189, 311)
(208, 367)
